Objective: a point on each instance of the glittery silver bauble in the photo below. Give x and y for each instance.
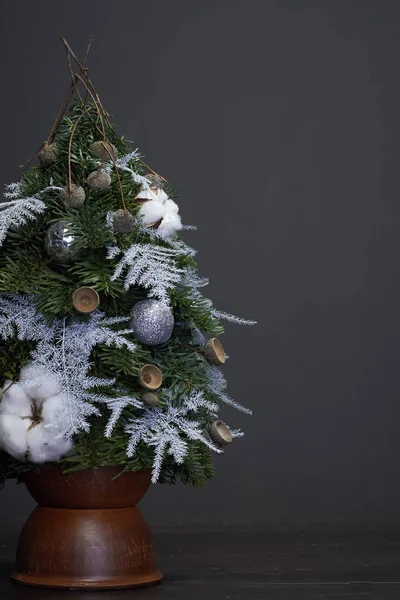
(109, 153)
(98, 180)
(152, 322)
(73, 197)
(48, 155)
(60, 244)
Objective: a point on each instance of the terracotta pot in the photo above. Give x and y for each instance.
(86, 532)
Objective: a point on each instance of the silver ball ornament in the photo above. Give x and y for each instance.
(152, 322)
(59, 242)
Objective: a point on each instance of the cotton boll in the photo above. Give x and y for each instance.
(151, 212)
(170, 224)
(51, 407)
(170, 206)
(15, 400)
(44, 445)
(161, 196)
(147, 194)
(38, 382)
(13, 431)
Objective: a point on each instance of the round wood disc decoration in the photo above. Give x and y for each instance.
(85, 299)
(214, 352)
(220, 433)
(150, 377)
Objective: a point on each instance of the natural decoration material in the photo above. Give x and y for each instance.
(48, 155)
(100, 305)
(220, 433)
(73, 196)
(214, 352)
(105, 151)
(85, 299)
(150, 398)
(150, 377)
(99, 180)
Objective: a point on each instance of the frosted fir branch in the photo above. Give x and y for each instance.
(122, 164)
(149, 266)
(168, 429)
(178, 245)
(13, 190)
(14, 213)
(236, 433)
(189, 227)
(220, 314)
(217, 386)
(192, 280)
(63, 350)
(116, 406)
(18, 315)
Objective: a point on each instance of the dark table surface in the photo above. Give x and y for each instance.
(267, 563)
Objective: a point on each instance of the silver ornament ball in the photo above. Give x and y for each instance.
(152, 322)
(59, 242)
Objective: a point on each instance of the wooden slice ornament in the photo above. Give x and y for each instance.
(214, 352)
(85, 299)
(150, 398)
(220, 433)
(150, 377)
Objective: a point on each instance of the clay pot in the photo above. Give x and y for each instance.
(86, 532)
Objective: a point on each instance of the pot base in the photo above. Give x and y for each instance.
(99, 548)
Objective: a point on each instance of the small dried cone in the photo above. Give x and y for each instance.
(98, 180)
(214, 352)
(109, 152)
(85, 299)
(48, 155)
(150, 377)
(150, 398)
(73, 197)
(123, 221)
(220, 433)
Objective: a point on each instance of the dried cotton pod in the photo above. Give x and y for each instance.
(48, 155)
(109, 151)
(214, 352)
(155, 181)
(150, 398)
(98, 180)
(150, 377)
(73, 197)
(220, 433)
(85, 299)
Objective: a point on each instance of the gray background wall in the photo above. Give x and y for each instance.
(279, 123)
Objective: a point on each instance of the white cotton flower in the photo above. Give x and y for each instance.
(13, 432)
(147, 194)
(151, 211)
(51, 408)
(44, 445)
(170, 224)
(15, 400)
(170, 206)
(38, 383)
(26, 430)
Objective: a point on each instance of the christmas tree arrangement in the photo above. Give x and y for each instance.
(109, 353)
